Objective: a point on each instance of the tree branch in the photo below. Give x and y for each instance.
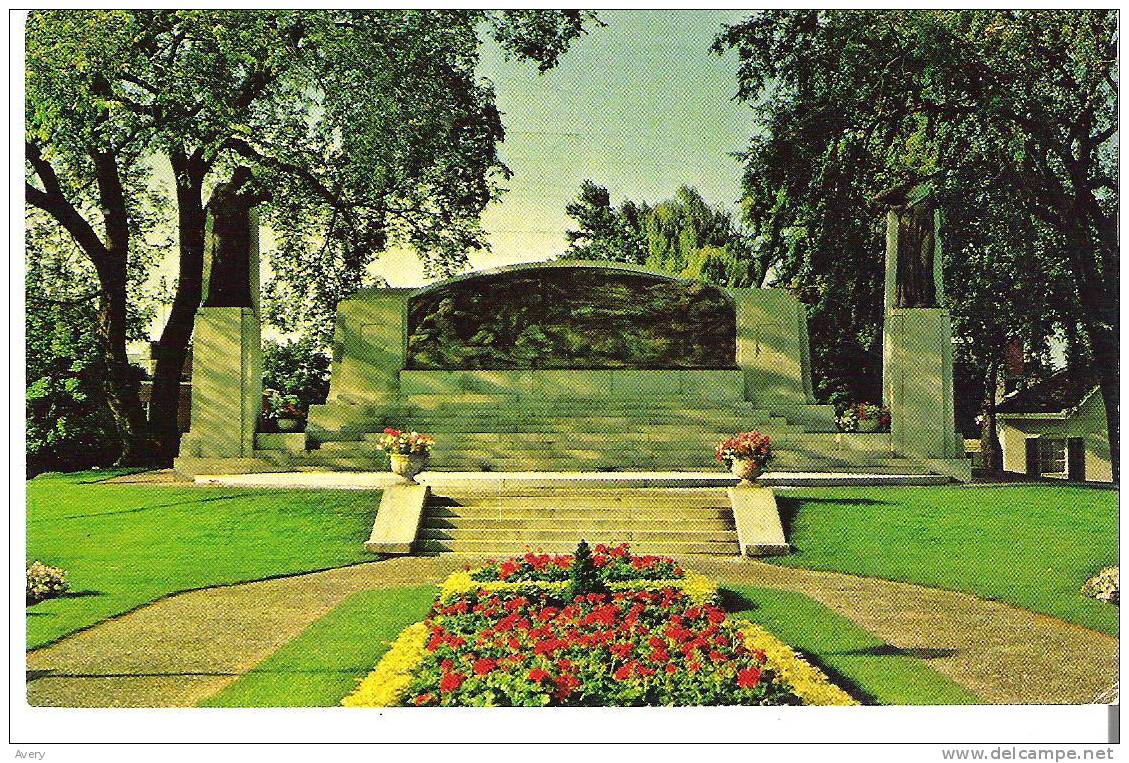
(52, 201)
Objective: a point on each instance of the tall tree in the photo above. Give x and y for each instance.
(605, 232)
(68, 422)
(684, 235)
(1017, 108)
(370, 128)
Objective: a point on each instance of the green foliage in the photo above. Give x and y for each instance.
(297, 368)
(1012, 114)
(583, 577)
(370, 129)
(684, 236)
(68, 424)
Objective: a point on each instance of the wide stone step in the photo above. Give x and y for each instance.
(642, 437)
(483, 402)
(619, 465)
(550, 514)
(568, 535)
(591, 424)
(666, 548)
(571, 523)
(577, 501)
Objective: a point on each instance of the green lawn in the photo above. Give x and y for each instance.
(855, 659)
(324, 663)
(1032, 546)
(127, 545)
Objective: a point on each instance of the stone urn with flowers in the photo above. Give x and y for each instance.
(745, 455)
(408, 452)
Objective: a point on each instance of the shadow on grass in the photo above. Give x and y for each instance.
(192, 502)
(889, 650)
(734, 602)
(790, 508)
(67, 595)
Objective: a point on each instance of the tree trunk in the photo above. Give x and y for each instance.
(990, 449)
(121, 380)
(1105, 349)
(172, 348)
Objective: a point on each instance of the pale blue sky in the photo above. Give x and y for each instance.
(640, 106)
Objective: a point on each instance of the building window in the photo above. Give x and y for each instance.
(1052, 455)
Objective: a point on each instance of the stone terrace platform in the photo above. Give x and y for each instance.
(315, 480)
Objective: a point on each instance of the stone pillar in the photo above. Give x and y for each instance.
(772, 346)
(917, 353)
(227, 367)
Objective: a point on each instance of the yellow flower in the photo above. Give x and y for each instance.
(386, 685)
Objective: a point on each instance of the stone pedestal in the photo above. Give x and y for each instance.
(917, 342)
(227, 369)
(227, 384)
(919, 382)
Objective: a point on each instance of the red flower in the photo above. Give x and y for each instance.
(748, 678)
(565, 686)
(538, 675)
(625, 672)
(671, 668)
(484, 666)
(423, 699)
(451, 682)
(622, 650)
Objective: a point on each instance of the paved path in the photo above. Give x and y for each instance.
(180, 650)
(1006, 655)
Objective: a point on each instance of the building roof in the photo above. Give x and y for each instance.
(1060, 393)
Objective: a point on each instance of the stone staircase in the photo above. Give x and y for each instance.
(497, 433)
(670, 521)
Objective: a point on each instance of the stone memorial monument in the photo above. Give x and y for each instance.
(227, 385)
(917, 357)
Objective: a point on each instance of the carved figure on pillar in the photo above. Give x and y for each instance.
(915, 210)
(229, 281)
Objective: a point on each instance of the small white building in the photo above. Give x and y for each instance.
(1057, 428)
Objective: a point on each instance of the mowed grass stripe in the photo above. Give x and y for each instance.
(125, 545)
(322, 665)
(1028, 545)
(855, 659)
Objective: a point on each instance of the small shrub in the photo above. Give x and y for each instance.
(45, 582)
(1105, 586)
(583, 577)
